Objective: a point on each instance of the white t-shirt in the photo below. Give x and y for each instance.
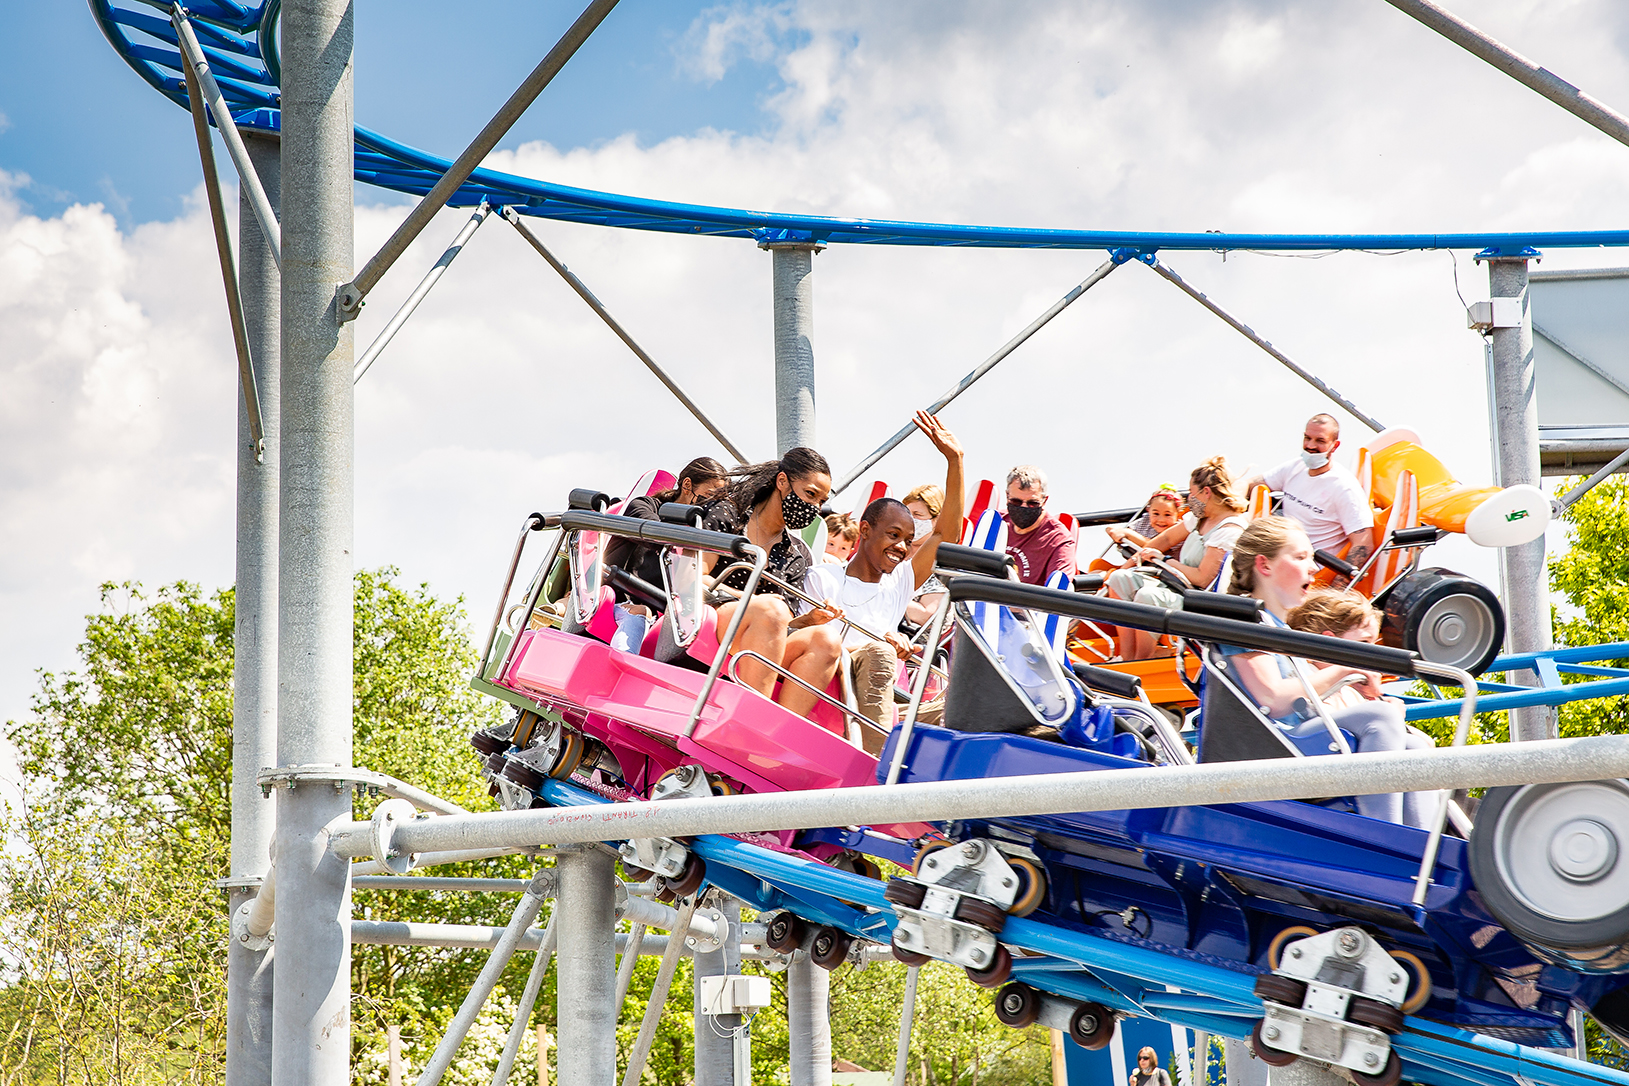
(1330, 506)
(877, 607)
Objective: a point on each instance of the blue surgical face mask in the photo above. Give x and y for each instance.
(1313, 460)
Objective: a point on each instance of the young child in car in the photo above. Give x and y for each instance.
(842, 530)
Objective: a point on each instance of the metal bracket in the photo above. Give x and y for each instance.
(1336, 966)
(356, 778)
(976, 868)
(241, 934)
(941, 937)
(702, 943)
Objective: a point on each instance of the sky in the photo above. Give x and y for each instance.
(117, 379)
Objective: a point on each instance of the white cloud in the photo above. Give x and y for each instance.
(116, 378)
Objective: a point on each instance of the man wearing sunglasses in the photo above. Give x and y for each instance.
(1037, 540)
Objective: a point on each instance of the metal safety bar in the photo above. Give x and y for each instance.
(535, 522)
(980, 370)
(811, 601)
(918, 688)
(759, 561)
(735, 663)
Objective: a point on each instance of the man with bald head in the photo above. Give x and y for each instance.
(1322, 495)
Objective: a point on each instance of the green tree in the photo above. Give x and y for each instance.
(1592, 578)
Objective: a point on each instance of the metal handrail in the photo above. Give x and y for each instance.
(535, 522)
(1176, 751)
(718, 586)
(918, 688)
(735, 663)
(1467, 714)
(760, 560)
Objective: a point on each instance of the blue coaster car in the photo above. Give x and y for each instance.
(1518, 925)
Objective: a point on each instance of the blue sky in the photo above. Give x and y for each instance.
(84, 128)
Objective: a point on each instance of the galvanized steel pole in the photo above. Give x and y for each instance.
(793, 298)
(254, 632)
(808, 1022)
(585, 963)
(311, 1034)
(1526, 594)
(715, 1050)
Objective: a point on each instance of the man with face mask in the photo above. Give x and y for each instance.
(1322, 495)
(1037, 540)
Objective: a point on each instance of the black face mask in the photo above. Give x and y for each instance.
(798, 513)
(1023, 516)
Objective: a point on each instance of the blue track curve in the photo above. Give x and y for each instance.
(232, 35)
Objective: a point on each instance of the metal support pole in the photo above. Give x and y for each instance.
(350, 298)
(229, 274)
(523, 1010)
(1307, 1073)
(198, 67)
(254, 635)
(586, 968)
(793, 294)
(907, 1012)
(715, 1051)
(431, 278)
(1518, 67)
(526, 910)
(658, 995)
(1617, 463)
(1243, 1068)
(1526, 591)
(611, 322)
(1248, 333)
(808, 1022)
(980, 370)
(311, 1034)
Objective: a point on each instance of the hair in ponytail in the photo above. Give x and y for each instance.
(752, 484)
(1265, 538)
(703, 469)
(1213, 474)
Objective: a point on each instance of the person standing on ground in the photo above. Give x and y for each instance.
(1149, 1072)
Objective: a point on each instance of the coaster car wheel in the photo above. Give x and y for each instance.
(829, 947)
(866, 867)
(785, 933)
(996, 973)
(1446, 618)
(1288, 935)
(722, 785)
(1419, 981)
(1091, 1026)
(1391, 1075)
(971, 910)
(488, 743)
(923, 853)
(904, 892)
(1371, 1012)
(909, 957)
(1272, 1057)
(1285, 990)
(1031, 886)
(572, 747)
(522, 774)
(1552, 864)
(1017, 1005)
(689, 881)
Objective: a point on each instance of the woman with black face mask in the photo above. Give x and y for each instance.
(770, 503)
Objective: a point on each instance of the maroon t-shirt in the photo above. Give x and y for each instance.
(1041, 553)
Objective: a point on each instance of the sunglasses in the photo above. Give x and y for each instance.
(1027, 503)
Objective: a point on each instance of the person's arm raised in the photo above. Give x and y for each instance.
(948, 525)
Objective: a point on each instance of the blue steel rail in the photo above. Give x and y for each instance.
(1550, 666)
(232, 36)
(1213, 997)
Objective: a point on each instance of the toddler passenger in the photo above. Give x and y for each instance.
(841, 532)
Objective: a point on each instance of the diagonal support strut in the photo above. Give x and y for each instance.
(229, 271)
(604, 314)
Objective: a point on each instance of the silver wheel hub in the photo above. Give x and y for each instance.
(1557, 849)
(1583, 850)
(1455, 630)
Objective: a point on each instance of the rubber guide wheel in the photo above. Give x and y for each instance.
(829, 948)
(996, 973)
(1390, 1076)
(1371, 1012)
(1272, 1057)
(1091, 1026)
(1018, 1005)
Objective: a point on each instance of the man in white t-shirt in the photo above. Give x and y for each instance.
(1324, 496)
(873, 589)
